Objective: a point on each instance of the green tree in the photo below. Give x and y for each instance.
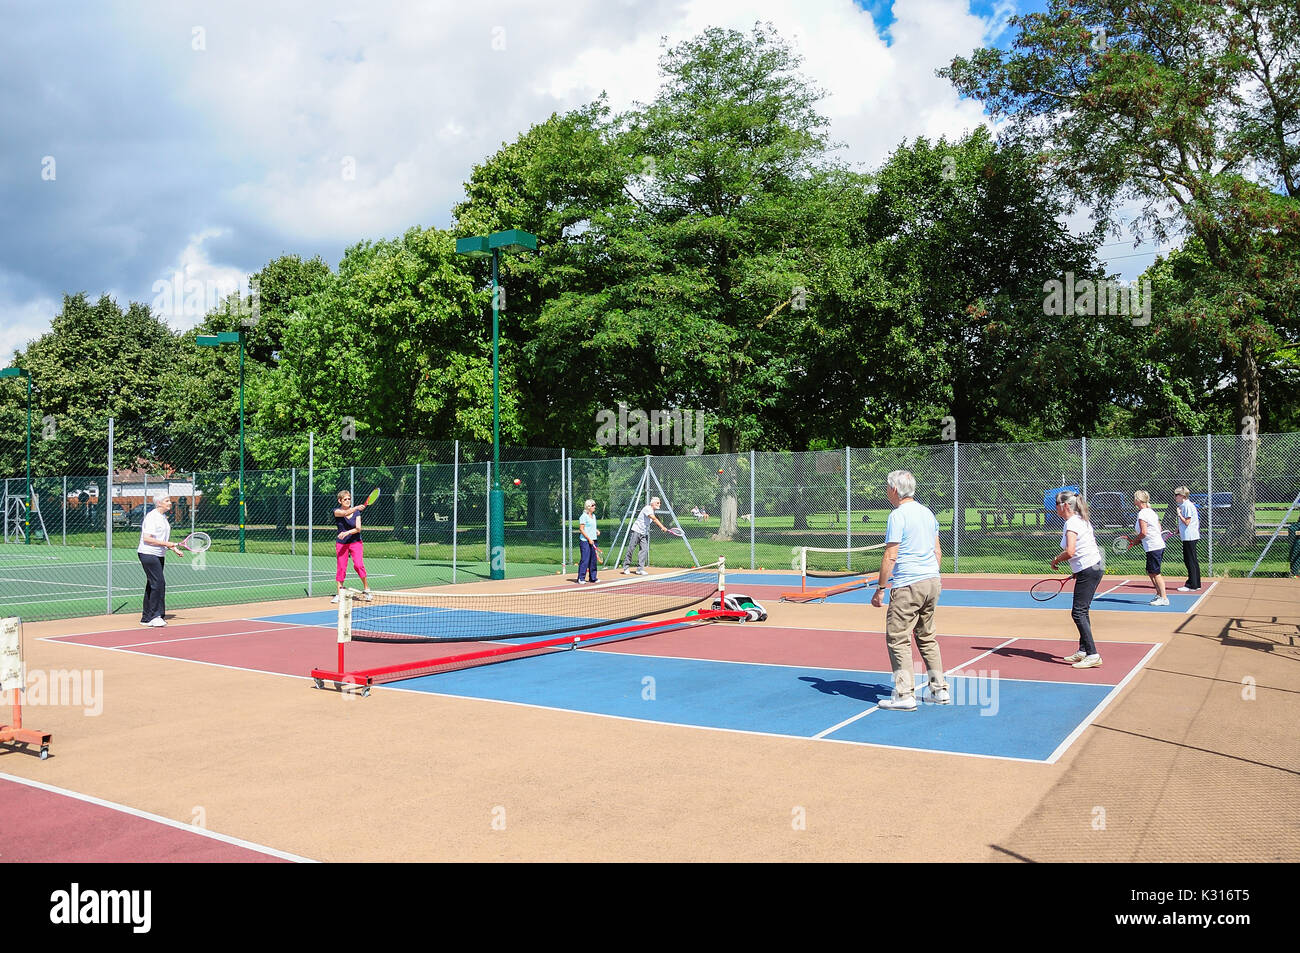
(1190, 110)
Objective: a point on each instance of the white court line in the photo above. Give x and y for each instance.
(1205, 595)
(157, 819)
(170, 625)
(196, 638)
(849, 721)
(690, 727)
(1113, 588)
(1061, 748)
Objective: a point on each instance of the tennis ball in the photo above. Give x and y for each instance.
(517, 481)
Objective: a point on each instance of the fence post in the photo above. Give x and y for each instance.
(487, 517)
(293, 513)
(311, 492)
(564, 553)
(958, 514)
(193, 487)
(65, 511)
(455, 507)
(848, 509)
(108, 522)
(1209, 500)
(1083, 487)
(417, 512)
(752, 515)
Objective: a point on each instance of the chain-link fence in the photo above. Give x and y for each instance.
(74, 551)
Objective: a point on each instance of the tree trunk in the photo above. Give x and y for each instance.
(727, 486)
(799, 492)
(1241, 527)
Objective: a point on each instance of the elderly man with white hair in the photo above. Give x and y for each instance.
(155, 535)
(639, 537)
(910, 571)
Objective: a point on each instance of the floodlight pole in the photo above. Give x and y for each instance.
(216, 340)
(481, 246)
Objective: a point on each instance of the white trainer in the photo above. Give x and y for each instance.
(335, 600)
(1161, 601)
(1076, 657)
(158, 623)
(1092, 661)
(897, 703)
(939, 697)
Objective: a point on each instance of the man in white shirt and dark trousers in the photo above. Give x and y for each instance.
(910, 570)
(639, 537)
(1189, 531)
(155, 533)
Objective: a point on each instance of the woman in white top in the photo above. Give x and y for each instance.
(1147, 526)
(1189, 531)
(1079, 546)
(155, 540)
(587, 536)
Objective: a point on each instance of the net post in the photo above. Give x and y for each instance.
(722, 581)
(803, 568)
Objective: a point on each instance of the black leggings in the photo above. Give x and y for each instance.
(155, 588)
(1085, 587)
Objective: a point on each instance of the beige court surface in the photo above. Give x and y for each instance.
(1197, 759)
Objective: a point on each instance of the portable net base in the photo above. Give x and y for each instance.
(816, 563)
(11, 682)
(575, 615)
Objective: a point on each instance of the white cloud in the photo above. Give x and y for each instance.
(192, 285)
(24, 322)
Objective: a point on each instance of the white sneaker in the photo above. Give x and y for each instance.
(335, 600)
(1076, 657)
(1092, 661)
(627, 572)
(1159, 602)
(368, 595)
(895, 703)
(145, 624)
(158, 623)
(582, 582)
(1185, 589)
(939, 697)
(640, 572)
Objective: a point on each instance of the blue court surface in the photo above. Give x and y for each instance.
(1012, 698)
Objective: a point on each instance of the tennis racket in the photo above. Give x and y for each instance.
(1047, 589)
(1125, 543)
(370, 500)
(196, 542)
(674, 531)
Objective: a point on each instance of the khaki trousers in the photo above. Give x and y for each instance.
(911, 609)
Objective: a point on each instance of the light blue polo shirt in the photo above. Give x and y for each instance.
(914, 528)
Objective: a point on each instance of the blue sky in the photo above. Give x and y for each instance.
(155, 143)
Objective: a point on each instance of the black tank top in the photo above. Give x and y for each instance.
(345, 523)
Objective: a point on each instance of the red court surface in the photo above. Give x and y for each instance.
(43, 825)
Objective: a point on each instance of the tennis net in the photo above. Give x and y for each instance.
(570, 616)
(853, 567)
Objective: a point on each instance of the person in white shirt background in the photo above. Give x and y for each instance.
(639, 538)
(155, 536)
(1147, 526)
(1189, 531)
(1079, 546)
